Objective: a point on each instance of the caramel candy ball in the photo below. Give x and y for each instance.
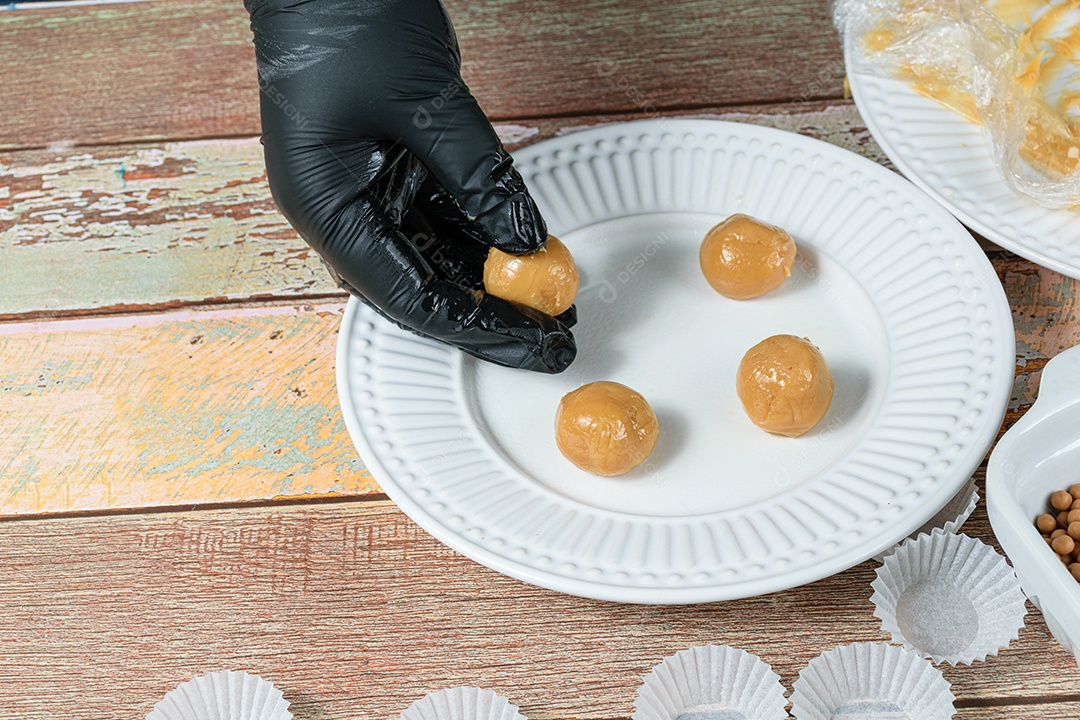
(1046, 523)
(1063, 545)
(1061, 500)
(743, 258)
(785, 385)
(546, 280)
(605, 428)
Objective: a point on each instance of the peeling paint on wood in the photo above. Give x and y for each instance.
(146, 410)
(173, 409)
(353, 611)
(1046, 315)
(124, 226)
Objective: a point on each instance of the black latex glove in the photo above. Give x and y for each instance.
(381, 159)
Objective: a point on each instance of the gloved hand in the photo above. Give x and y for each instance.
(382, 160)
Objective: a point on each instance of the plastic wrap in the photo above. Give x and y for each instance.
(1011, 65)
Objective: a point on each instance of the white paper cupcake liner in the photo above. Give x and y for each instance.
(223, 696)
(950, 518)
(950, 598)
(713, 682)
(871, 681)
(462, 703)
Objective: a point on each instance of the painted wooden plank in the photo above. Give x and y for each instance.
(172, 70)
(354, 612)
(163, 225)
(1066, 710)
(173, 409)
(191, 222)
(214, 406)
(1046, 315)
(130, 227)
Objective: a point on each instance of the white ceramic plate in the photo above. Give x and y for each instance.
(902, 302)
(949, 157)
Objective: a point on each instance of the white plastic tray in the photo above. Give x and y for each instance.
(1039, 455)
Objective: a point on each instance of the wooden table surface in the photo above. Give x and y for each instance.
(177, 490)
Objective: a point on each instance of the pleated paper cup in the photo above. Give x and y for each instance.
(950, 518)
(713, 682)
(462, 703)
(871, 681)
(223, 696)
(950, 598)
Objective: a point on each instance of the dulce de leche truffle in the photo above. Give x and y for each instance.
(785, 385)
(605, 428)
(546, 280)
(743, 257)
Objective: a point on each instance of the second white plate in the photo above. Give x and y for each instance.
(904, 305)
(948, 157)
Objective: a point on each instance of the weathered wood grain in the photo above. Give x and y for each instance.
(354, 612)
(1046, 315)
(138, 227)
(168, 70)
(173, 409)
(151, 227)
(240, 404)
(1051, 710)
(131, 227)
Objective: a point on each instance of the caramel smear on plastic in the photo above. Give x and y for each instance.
(1047, 43)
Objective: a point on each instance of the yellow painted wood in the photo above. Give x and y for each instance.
(355, 612)
(204, 407)
(173, 409)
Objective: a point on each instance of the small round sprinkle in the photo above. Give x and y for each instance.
(1046, 523)
(1063, 545)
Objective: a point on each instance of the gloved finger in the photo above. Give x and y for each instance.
(451, 248)
(450, 134)
(376, 260)
(568, 317)
(450, 242)
(352, 217)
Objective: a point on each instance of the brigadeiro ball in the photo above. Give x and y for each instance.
(743, 257)
(785, 385)
(605, 428)
(546, 280)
